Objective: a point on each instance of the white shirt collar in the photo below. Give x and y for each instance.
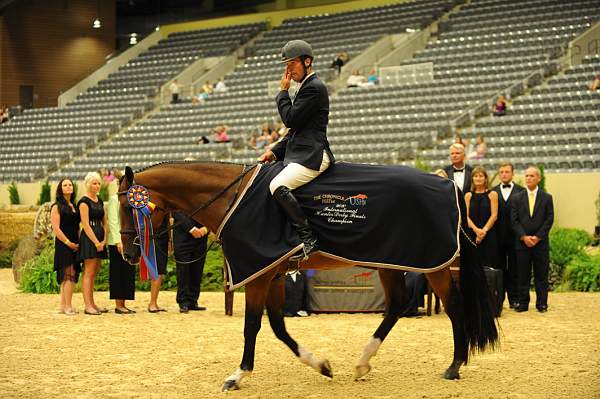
(534, 192)
(306, 77)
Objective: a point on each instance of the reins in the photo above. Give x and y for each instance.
(214, 198)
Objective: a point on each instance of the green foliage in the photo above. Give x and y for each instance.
(420, 164)
(13, 194)
(583, 273)
(212, 279)
(103, 193)
(542, 184)
(565, 244)
(44, 194)
(39, 276)
(6, 254)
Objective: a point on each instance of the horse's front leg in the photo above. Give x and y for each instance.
(394, 288)
(275, 303)
(256, 294)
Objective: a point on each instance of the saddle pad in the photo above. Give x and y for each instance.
(370, 215)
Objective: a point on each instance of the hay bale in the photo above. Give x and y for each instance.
(27, 249)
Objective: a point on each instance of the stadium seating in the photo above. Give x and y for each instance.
(57, 135)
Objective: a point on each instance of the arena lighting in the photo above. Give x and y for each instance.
(157, 28)
(133, 38)
(97, 24)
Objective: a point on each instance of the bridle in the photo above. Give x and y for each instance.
(211, 200)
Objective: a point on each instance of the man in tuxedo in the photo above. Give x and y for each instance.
(532, 215)
(189, 244)
(507, 257)
(459, 171)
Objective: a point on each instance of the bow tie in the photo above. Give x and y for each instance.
(506, 186)
(459, 170)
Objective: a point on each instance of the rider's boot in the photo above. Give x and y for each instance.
(292, 208)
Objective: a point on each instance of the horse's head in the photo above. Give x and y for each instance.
(129, 233)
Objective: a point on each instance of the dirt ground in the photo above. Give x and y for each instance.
(44, 354)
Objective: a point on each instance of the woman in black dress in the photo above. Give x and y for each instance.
(92, 243)
(482, 212)
(65, 225)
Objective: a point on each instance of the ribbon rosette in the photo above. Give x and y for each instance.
(139, 198)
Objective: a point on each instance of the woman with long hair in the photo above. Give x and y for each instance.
(64, 217)
(482, 213)
(92, 243)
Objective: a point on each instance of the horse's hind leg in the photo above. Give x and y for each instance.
(441, 282)
(256, 294)
(275, 302)
(394, 288)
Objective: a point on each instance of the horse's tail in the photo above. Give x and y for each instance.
(479, 321)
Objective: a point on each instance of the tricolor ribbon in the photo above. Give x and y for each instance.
(139, 199)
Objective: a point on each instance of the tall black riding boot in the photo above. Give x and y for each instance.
(292, 208)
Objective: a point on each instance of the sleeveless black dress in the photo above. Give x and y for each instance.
(480, 210)
(87, 249)
(63, 255)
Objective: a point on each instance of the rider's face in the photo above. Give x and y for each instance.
(295, 69)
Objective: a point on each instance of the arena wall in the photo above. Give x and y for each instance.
(51, 46)
(574, 195)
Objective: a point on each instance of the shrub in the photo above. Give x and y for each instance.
(44, 194)
(6, 254)
(39, 276)
(13, 194)
(583, 273)
(103, 193)
(565, 244)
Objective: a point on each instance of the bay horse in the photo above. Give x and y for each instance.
(206, 191)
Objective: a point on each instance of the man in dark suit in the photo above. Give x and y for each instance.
(305, 149)
(507, 262)
(189, 244)
(459, 171)
(532, 215)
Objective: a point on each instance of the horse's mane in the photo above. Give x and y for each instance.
(163, 163)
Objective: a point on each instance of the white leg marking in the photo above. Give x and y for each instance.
(233, 381)
(363, 366)
(307, 358)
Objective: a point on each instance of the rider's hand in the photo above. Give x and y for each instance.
(267, 156)
(286, 80)
(198, 232)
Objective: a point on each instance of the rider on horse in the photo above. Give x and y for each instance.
(305, 149)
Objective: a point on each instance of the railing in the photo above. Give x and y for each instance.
(186, 78)
(584, 45)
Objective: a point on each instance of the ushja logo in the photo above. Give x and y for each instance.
(358, 199)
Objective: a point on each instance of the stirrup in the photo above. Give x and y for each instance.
(307, 249)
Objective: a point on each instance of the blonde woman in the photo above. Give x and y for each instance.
(482, 213)
(92, 243)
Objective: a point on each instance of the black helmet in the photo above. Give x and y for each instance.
(294, 49)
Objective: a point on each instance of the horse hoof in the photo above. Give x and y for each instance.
(361, 370)
(451, 374)
(230, 385)
(326, 369)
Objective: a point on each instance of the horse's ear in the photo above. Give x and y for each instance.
(129, 174)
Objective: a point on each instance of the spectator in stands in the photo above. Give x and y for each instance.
(532, 216)
(265, 137)
(356, 79)
(92, 241)
(175, 89)
(339, 61)
(199, 98)
(4, 114)
(65, 225)
(280, 128)
(595, 83)
(482, 213)
(459, 171)
(189, 243)
(480, 148)
(507, 257)
(373, 79)
(500, 106)
(121, 274)
(220, 134)
(203, 140)
(220, 86)
(207, 88)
